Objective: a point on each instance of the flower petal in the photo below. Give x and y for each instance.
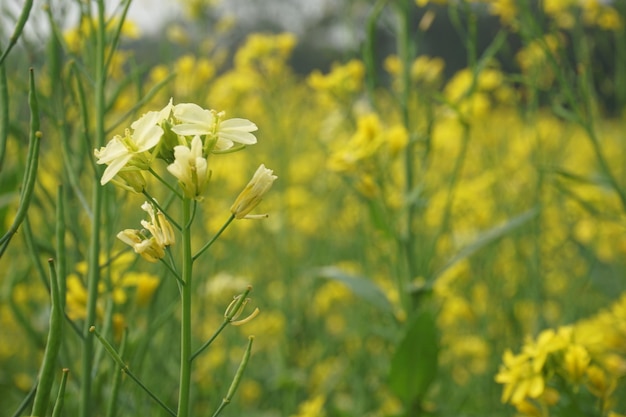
(189, 129)
(243, 125)
(192, 113)
(114, 168)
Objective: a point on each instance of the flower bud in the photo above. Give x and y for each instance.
(252, 195)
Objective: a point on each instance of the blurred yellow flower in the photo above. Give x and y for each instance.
(313, 407)
(576, 362)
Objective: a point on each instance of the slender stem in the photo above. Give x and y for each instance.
(30, 172)
(406, 56)
(237, 379)
(206, 344)
(369, 51)
(185, 330)
(120, 362)
(233, 310)
(55, 336)
(4, 113)
(218, 234)
(164, 182)
(19, 26)
(60, 243)
(157, 205)
(24, 404)
(172, 270)
(93, 274)
(58, 405)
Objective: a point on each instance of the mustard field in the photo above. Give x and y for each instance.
(196, 226)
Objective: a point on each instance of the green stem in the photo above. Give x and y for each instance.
(120, 362)
(185, 330)
(157, 205)
(229, 316)
(61, 250)
(225, 323)
(86, 406)
(55, 335)
(237, 379)
(369, 51)
(21, 21)
(405, 53)
(218, 234)
(24, 404)
(4, 113)
(30, 173)
(58, 405)
(117, 382)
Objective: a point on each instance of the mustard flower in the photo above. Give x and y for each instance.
(151, 248)
(159, 226)
(576, 362)
(519, 378)
(252, 195)
(190, 167)
(220, 134)
(131, 150)
(148, 248)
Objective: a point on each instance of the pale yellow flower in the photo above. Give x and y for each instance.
(151, 248)
(131, 150)
(148, 248)
(252, 195)
(190, 167)
(194, 120)
(159, 226)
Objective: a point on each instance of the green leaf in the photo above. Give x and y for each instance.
(360, 286)
(414, 363)
(489, 236)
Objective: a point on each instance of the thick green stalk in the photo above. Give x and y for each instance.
(405, 53)
(185, 330)
(93, 275)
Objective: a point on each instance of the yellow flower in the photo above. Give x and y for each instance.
(190, 167)
(312, 408)
(598, 383)
(148, 248)
(252, 195)
(341, 80)
(159, 226)
(131, 150)
(576, 362)
(198, 121)
(151, 248)
(520, 379)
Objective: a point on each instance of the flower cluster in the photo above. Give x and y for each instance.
(585, 359)
(161, 234)
(183, 135)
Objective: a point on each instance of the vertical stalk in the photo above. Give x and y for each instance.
(93, 274)
(185, 329)
(4, 113)
(406, 239)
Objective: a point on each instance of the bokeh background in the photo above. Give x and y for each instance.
(459, 163)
